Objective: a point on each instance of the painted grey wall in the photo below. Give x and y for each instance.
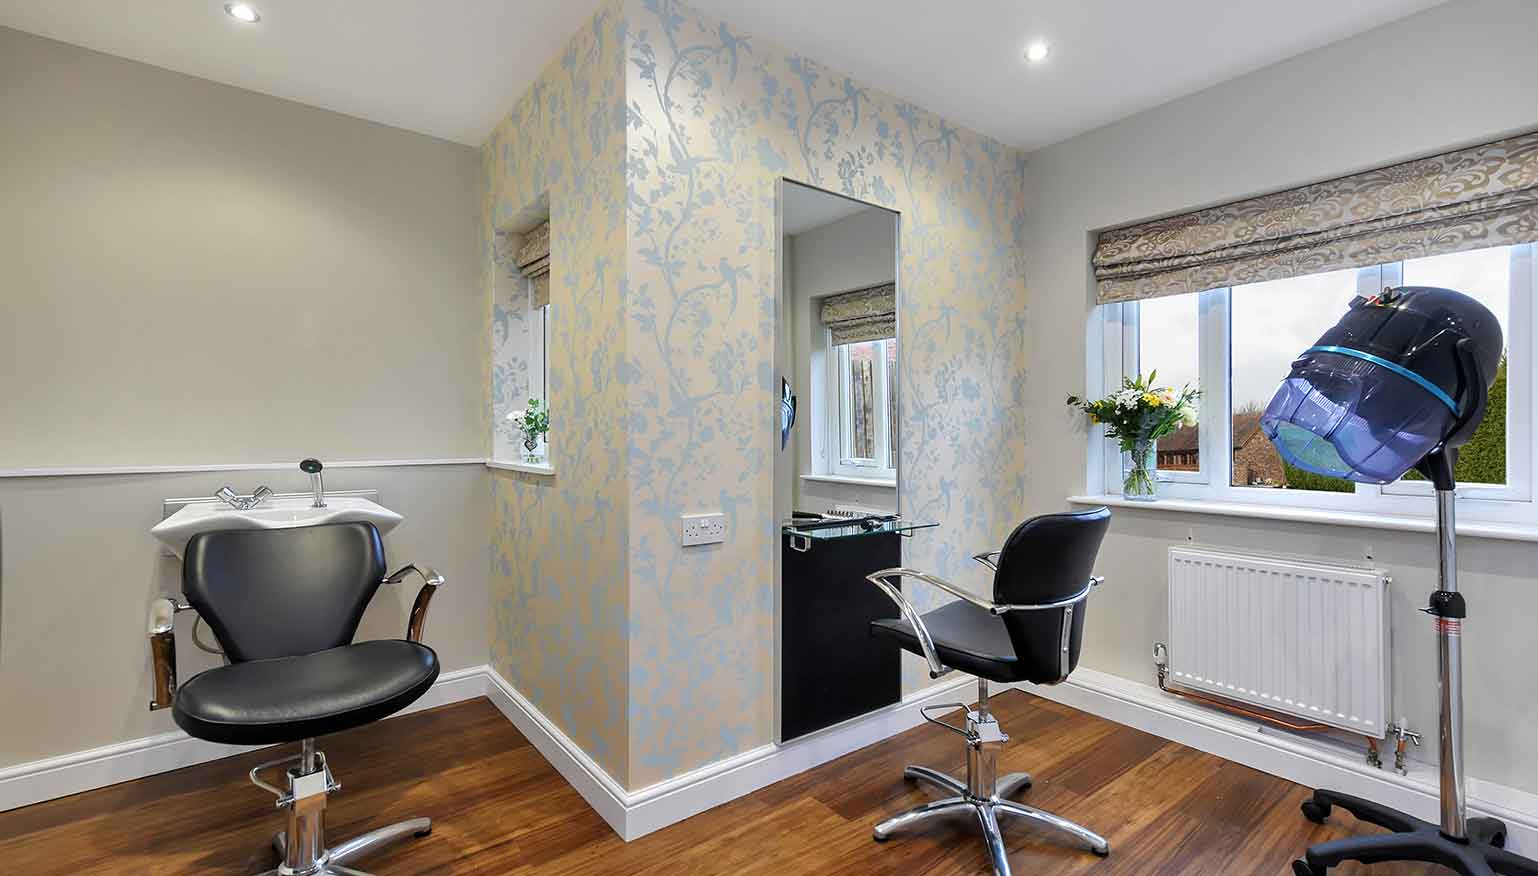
(849, 253)
(190, 274)
(194, 273)
(1455, 75)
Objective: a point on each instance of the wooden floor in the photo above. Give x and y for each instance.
(498, 808)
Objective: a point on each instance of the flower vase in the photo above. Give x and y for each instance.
(1139, 465)
(531, 450)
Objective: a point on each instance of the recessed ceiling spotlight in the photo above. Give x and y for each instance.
(242, 12)
(1037, 51)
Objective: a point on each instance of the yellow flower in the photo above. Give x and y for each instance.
(1094, 420)
(1152, 400)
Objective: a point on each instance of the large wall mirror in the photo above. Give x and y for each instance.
(838, 352)
(838, 466)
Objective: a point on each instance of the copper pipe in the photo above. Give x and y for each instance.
(1163, 667)
(1240, 710)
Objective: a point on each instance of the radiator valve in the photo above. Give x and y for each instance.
(1403, 734)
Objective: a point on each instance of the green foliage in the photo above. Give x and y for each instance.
(1298, 479)
(1483, 459)
(533, 422)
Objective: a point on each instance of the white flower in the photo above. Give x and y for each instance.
(1187, 414)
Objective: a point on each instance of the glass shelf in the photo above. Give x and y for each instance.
(828, 530)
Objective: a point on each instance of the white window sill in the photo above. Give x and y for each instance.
(853, 482)
(1399, 523)
(534, 468)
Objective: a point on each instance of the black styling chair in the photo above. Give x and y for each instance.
(1030, 631)
(284, 605)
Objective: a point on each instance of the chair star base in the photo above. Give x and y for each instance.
(984, 795)
(302, 847)
(1482, 853)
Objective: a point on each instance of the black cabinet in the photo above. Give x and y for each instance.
(831, 668)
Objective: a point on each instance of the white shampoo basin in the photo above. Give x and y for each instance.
(276, 513)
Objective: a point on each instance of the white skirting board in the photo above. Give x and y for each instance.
(1146, 708)
(633, 814)
(67, 774)
(636, 813)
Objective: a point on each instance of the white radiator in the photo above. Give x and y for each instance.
(1301, 638)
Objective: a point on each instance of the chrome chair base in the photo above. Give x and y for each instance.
(983, 796)
(337, 856)
(302, 847)
(987, 811)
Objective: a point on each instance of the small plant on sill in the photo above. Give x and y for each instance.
(534, 423)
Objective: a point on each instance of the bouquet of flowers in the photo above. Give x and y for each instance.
(1137, 415)
(532, 423)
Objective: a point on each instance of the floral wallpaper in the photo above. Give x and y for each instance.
(558, 558)
(658, 137)
(713, 117)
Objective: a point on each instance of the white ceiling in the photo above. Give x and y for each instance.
(1109, 59)
(805, 208)
(451, 69)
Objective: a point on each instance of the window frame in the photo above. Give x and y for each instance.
(537, 321)
(837, 415)
(1118, 336)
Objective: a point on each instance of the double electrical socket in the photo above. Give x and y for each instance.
(696, 529)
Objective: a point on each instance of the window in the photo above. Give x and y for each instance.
(521, 332)
(1167, 346)
(1237, 344)
(539, 351)
(864, 374)
(537, 324)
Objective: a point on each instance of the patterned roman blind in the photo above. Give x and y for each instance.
(861, 315)
(1469, 199)
(534, 261)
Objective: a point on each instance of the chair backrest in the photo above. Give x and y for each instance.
(1047, 559)
(283, 592)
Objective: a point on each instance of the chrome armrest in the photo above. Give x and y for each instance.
(431, 581)
(162, 635)
(911, 615)
(990, 559)
(1094, 581)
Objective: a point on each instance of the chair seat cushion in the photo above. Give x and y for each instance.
(966, 637)
(284, 699)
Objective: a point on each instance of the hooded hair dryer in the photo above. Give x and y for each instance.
(1400, 383)
(1404, 373)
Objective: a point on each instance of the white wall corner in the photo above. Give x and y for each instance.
(634, 814)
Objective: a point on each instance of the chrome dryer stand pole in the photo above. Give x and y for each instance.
(1448, 609)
